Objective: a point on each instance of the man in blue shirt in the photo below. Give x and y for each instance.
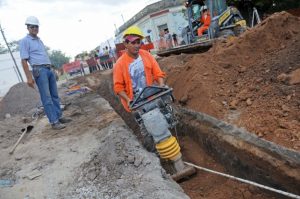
(33, 51)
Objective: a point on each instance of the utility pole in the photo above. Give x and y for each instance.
(116, 28)
(123, 18)
(16, 66)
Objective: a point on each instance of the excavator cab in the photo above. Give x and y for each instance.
(224, 20)
(216, 7)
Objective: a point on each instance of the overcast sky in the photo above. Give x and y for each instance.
(71, 26)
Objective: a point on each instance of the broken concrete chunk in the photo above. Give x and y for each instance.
(120, 161)
(138, 161)
(282, 77)
(91, 175)
(34, 175)
(7, 116)
(146, 162)
(130, 159)
(18, 157)
(249, 102)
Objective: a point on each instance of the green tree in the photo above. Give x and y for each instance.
(14, 46)
(82, 55)
(3, 49)
(58, 58)
(268, 5)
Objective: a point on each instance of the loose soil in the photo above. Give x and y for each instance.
(20, 99)
(95, 156)
(202, 185)
(251, 81)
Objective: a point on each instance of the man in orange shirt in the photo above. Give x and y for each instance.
(205, 21)
(135, 69)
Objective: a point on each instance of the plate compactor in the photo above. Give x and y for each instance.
(154, 113)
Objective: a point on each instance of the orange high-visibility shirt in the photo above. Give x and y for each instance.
(121, 75)
(205, 20)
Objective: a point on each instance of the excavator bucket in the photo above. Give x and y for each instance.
(198, 47)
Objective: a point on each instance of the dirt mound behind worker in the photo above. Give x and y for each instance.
(19, 100)
(273, 34)
(248, 80)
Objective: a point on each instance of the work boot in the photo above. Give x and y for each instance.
(58, 126)
(64, 120)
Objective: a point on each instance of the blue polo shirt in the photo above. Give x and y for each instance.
(33, 49)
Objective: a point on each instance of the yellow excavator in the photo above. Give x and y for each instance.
(226, 21)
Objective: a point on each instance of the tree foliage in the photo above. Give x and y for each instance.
(268, 5)
(14, 46)
(82, 55)
(3, 49)
(58, 58)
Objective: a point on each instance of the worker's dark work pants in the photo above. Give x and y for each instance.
(46, 82)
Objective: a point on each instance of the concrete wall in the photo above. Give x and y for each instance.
(173, 18)
(8, 76)
(152, 8)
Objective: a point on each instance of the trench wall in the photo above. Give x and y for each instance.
(243, 154)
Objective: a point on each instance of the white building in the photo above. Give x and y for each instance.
(165, 14)
(8, 74)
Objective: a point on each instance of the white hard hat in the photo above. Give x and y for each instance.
(31, 20)
(203, 8)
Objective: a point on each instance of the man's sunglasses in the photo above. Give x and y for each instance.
(134, 42)
(33, 26)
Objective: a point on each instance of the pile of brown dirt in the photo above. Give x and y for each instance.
(19, 100)
(251, 81)
(203, 185)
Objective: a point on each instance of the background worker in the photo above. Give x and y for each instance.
(205, 21)
(168, 38)
(33, 51)
(133, 71)
(174, 36)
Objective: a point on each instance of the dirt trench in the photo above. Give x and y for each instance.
(207, 142)
(251, 81)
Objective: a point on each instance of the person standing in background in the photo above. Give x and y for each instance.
(174, 36)
(33, 51)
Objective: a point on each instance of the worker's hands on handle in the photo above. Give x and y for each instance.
(123, 95)
(161, 82)
(129, 103)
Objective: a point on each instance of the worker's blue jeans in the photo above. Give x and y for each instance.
(46, 82)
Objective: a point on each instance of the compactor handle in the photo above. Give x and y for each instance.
(149, 94)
